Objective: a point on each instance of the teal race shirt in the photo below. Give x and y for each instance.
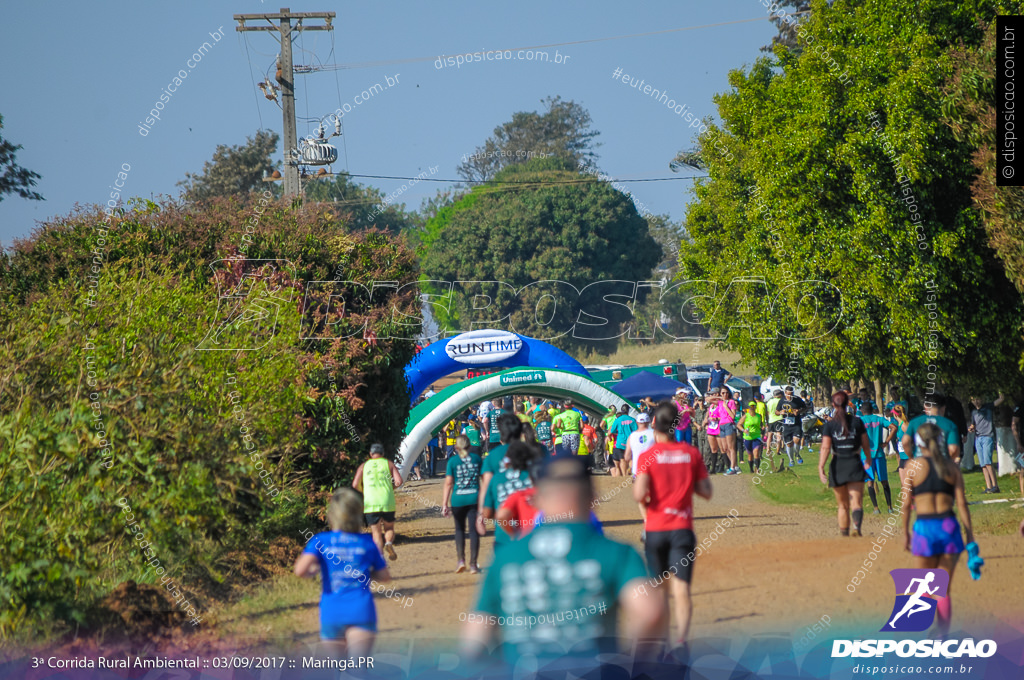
(944, 424)
(623, 426)
(493, 460)
(503, 484)
(492, 417)
(472, 434)
(466, 474)
(878, 431)
(543, 431)
(558, 590)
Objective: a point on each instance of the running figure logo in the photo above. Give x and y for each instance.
(914, 610)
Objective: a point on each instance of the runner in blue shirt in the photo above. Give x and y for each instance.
(880, 431)
(348, 561)
(623, 426)
(934, 414)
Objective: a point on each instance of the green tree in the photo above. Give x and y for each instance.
(15, 179)
(563, 131)
(546, 236)
(363, 207)
(969, 110)
(234, 170)
(842, 242)
(109, 318)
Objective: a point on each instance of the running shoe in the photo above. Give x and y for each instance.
(461, 568)
(738, 471)
(854, 533)
(389, 550)
(995, 489)
(877, 511)
(474, 569)
(799, 461)
(730, 471)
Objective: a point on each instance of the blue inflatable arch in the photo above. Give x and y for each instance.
(484, 349)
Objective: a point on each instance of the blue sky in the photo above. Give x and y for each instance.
(81, 77)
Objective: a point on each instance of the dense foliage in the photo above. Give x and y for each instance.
(546, 236)
(842, 241)
(364, 207)
(235, 169)
(140, 345)
(563, 131)
(969, 110)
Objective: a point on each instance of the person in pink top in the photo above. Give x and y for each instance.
(723, 414)
(683, 432)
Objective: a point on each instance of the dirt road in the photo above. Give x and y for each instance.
(775, 569)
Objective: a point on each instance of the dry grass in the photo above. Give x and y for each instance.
(691, 353)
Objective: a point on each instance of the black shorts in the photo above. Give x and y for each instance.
(372, 518)
(775, 427)
(671, 553)
(791, 432)
(618, 454)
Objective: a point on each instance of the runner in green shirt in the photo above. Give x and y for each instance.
(558, 596)
(750, 425)
(377, 480)
(568, 424)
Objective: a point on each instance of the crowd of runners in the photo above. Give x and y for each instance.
(524, 465)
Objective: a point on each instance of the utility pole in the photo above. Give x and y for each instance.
(286, 77)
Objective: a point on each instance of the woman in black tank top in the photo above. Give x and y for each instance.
(935, 484)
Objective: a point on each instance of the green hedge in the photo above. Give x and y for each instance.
(109, 395)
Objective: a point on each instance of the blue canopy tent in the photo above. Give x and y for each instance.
(645, 384)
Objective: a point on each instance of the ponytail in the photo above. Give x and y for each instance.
(462, 446)
(839, 401)
(931, 440)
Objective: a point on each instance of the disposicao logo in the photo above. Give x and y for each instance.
(913, 611)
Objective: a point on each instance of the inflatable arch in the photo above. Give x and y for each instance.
(483, 349)
(432, 414)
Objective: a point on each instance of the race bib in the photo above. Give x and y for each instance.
(789, 421)
(713, 423)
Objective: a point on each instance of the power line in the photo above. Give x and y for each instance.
(245, 39)
(534, 182)
(304, 69)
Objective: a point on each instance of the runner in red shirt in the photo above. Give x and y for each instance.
(668, 474)
(517, 515)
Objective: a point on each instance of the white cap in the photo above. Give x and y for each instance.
(682, 390)
(643, 418)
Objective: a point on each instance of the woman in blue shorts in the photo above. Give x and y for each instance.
(348, 561)
(936, 484)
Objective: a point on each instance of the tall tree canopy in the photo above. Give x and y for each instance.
(234, 170)
(563, 131)
(850, 200)
(970, 112)
(362, 206)
(545, 243)
(15, 179)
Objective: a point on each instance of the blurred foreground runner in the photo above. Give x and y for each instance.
(554, 598)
